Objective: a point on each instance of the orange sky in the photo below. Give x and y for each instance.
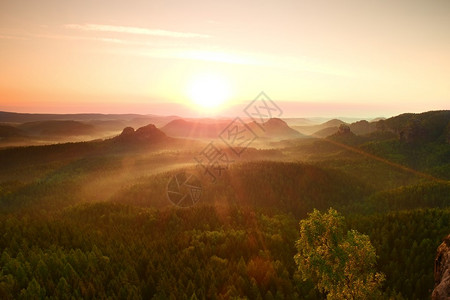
(351, 57)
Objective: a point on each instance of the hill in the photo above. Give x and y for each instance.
(102, 122)
(299, 121)
(7, 131)
(424, 127)
(195, 128)
(408, 197)
(57, 128)
(323, 133)
(273, 187)
(362, 127)
(332, 122)
(271, 129)
(93, 219)
(274, 128)
(420, 141)
(310, 130)
(12, 117)
(44, 157)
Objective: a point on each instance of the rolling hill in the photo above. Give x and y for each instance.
(271, 129)
(7, 131)
(57, 128)
(362, 127)
(274, 128)
(12, 117)
(93, 219)
(310, 130)
(195, 128)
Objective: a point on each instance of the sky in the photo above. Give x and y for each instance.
(313, 58)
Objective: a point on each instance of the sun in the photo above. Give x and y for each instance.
(209, 91)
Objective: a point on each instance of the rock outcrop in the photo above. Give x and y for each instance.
(146, 134)
(344, 129)
(442, 271)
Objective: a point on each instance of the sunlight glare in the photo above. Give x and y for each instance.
(209, 91)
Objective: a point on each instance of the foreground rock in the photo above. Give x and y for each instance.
(442, 271)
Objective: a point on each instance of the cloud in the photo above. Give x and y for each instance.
(292, 63)
(135, 30)
(176, 49)
(11, 37)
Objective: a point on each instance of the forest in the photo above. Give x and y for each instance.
(92, 220)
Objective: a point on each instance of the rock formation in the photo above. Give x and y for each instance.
(442, 271)
(344, 129)
(146, 134)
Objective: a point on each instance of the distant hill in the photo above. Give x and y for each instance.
(299, 121)
(158, 121)
(272, 128)
(25, 117)
(377, 119)
(194, 128)
(7, 131)
(409, 128)
(419, 141)
(333, 122)
(363, 127)
(346, 136)
(359, 128)
(136, 120)
(312, 129)
(57, 128)
(129, 139)
(11, 136)
(323, 133)
(109, 125)
(24, 129)
(427, 126)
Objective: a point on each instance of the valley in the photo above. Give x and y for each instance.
(70, 208)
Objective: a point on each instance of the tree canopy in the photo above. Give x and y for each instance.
(342, 265)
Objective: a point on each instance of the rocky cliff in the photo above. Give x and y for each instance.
(442, 271)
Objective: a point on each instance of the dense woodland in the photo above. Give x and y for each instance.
(113, 250)
(92, 220)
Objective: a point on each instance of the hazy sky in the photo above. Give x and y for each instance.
(346, 58)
